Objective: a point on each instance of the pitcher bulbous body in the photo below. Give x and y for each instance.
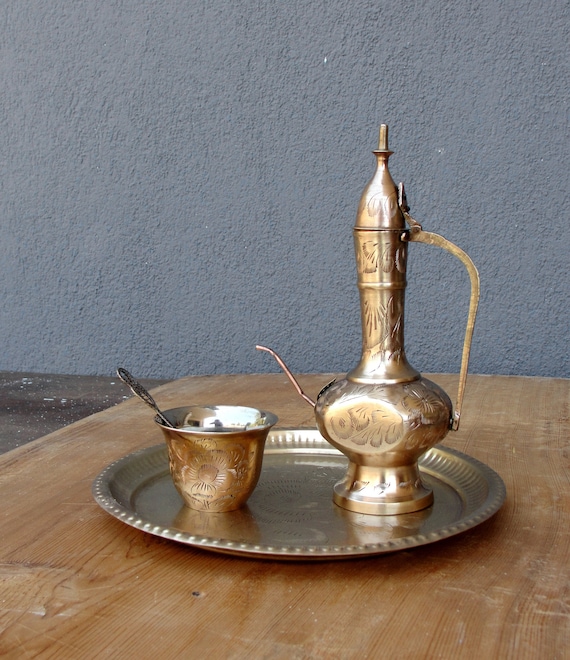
(383, 430)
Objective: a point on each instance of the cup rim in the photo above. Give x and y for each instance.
(270, 419)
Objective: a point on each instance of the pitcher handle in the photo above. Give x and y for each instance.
(417, 234)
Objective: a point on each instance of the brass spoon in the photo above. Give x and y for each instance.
(142, 394)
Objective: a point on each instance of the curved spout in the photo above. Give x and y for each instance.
(287, 373)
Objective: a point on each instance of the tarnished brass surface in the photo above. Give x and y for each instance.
(215, 453)
(384, 415)
(290, 515)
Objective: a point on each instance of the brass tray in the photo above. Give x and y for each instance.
(291, 514)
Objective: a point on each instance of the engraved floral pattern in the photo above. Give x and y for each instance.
(367, 425)
(378, 318)
(429, 417)
(424, 403)
(212, 472)
(400, 258)
(368, 256)
(423, 437)
(412, 416)
(382, 205)
(383, 329)
(206, 474)
(374, 318)
(372, 257)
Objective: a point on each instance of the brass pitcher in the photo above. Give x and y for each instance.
(384, 414)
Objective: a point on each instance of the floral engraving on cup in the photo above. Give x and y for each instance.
(209, 476)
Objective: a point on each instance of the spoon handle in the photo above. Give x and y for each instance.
(142, 393)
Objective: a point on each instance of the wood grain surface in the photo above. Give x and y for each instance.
(77, 583)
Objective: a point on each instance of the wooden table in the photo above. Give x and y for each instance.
(78, 583)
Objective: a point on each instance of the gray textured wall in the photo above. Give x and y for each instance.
(180, 180)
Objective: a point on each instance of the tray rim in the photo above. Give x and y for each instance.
(284, 440)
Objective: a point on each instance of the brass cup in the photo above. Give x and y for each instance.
(215, 453)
